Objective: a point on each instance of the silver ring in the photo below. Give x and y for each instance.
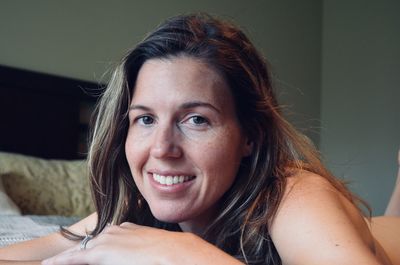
(85, 241)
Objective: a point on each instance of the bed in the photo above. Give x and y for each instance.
(43, 143)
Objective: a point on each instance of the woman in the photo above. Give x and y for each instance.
(189, 138)
(393, 208)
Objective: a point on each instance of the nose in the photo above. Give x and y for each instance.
(165, 143)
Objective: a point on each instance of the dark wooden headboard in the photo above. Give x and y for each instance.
(44, 115)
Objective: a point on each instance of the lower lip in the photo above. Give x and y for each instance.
(174, 188)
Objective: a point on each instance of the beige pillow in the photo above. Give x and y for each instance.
(7, 206)
(46, 187)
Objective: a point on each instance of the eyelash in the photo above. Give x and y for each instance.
(140, 119)
(204, 120)
(190, 120)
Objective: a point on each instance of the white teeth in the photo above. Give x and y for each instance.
(162, 179)
(171, 180)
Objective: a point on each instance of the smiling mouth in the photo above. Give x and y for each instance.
(171, 180)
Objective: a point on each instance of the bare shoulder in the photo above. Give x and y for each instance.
(316, 224)
(47, 246)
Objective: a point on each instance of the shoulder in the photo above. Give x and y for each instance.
(315, 223)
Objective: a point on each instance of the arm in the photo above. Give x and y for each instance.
(315, 224)
(393, 208)
(143, 245)
(44, 247)
(5, 262)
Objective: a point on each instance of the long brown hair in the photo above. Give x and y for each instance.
(249, 206)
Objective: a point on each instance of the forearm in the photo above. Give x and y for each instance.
(127, 242)
(12, 262)
(202, 252)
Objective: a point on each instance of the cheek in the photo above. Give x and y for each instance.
(128, 149)
(222, 157)
(135, 159)
(133, 154)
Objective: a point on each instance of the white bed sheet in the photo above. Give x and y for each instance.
(17, 228)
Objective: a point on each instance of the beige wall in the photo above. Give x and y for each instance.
(357, 92)
(360, 96)
(82, 39)
(358, 100)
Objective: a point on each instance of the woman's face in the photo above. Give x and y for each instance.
(184, 142)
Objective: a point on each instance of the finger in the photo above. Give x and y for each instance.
(117, 229)
(109, 228)
(80, 257)
(114, 229)
(78, 246)
(129, 225)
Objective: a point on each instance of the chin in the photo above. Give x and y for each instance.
(168, 214)
(168, 218)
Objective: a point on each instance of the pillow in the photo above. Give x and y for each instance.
(46, 187)
(7, 206)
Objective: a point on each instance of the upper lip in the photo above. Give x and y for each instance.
(170, 173)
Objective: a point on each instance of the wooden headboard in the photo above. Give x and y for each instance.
(44, 115)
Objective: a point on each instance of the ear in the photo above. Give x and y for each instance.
(248, 147)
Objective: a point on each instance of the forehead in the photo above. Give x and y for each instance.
(182, 78)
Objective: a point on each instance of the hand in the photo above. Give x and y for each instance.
(126, 244)
(135, 244)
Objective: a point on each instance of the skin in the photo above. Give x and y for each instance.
(393, 208)
(314, 225)
(183, 123)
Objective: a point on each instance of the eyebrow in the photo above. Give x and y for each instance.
(141, 107)
(194, 104)
(186, 105)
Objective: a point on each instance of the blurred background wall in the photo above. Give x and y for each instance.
(360, 95)
(335, 64)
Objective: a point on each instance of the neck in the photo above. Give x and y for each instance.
(199, 224)
(192, 228)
